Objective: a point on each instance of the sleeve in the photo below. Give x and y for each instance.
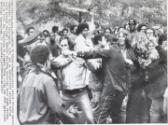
(53, 99)
(162, 54)
(95, 53)
(55, 102)
(60, 61)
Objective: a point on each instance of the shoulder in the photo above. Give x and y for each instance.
(46, 79)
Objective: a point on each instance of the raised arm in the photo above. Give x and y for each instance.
(95, 53)
(60, 61)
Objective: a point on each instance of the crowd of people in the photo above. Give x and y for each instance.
(93, 75)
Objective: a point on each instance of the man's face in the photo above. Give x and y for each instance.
(64, 44)
(151, 46)
(65, 32)
(107, 32)
(150, 33)
(121, 38)
(31, 31)
(158, 30)
(85, 32)
(132, 25)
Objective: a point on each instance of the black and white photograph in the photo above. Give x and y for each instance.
(91, 61)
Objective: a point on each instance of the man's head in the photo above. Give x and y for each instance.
(83, 29)
(73, 29)
(55, 29)
(142, 28)
(46, 33)
(150, 33)
(150, 45)
(64, 44)
(39, 54)
(121, 29)
(30, 30)
(132, 24)
(97, 39)
(31, 41)
(65, 32)
(121, 38)
(158, 30)
(107, 31)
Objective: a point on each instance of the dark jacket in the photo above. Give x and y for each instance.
(38, 100)
(113, 65)
(158, 76)
(157, 82)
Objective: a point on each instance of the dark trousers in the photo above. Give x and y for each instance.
(138, 106)
(110, 104)
(156, 111)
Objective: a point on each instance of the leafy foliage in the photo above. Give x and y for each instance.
(108, 12)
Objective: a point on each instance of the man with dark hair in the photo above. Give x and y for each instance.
(132, 24)
(65, 32)
(108, 31)
(72, 35)
(27, 43)
(38, 98)
(54, 35)
(30, 30)
(55, 29)
(73, 29)
(46, 33)
(73, 79)
(81, 27)
(142, 27)
(81, 42)
(114, 80)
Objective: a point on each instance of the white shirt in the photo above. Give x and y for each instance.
(82, 43)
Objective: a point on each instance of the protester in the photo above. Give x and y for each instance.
(114, 74)
(73, 77)
(115, 83)
(30, 30)
(55, 35)
(137, 110)
(156, 90)
(38, 97)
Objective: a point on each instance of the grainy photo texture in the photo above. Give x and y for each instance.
(91, 61)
